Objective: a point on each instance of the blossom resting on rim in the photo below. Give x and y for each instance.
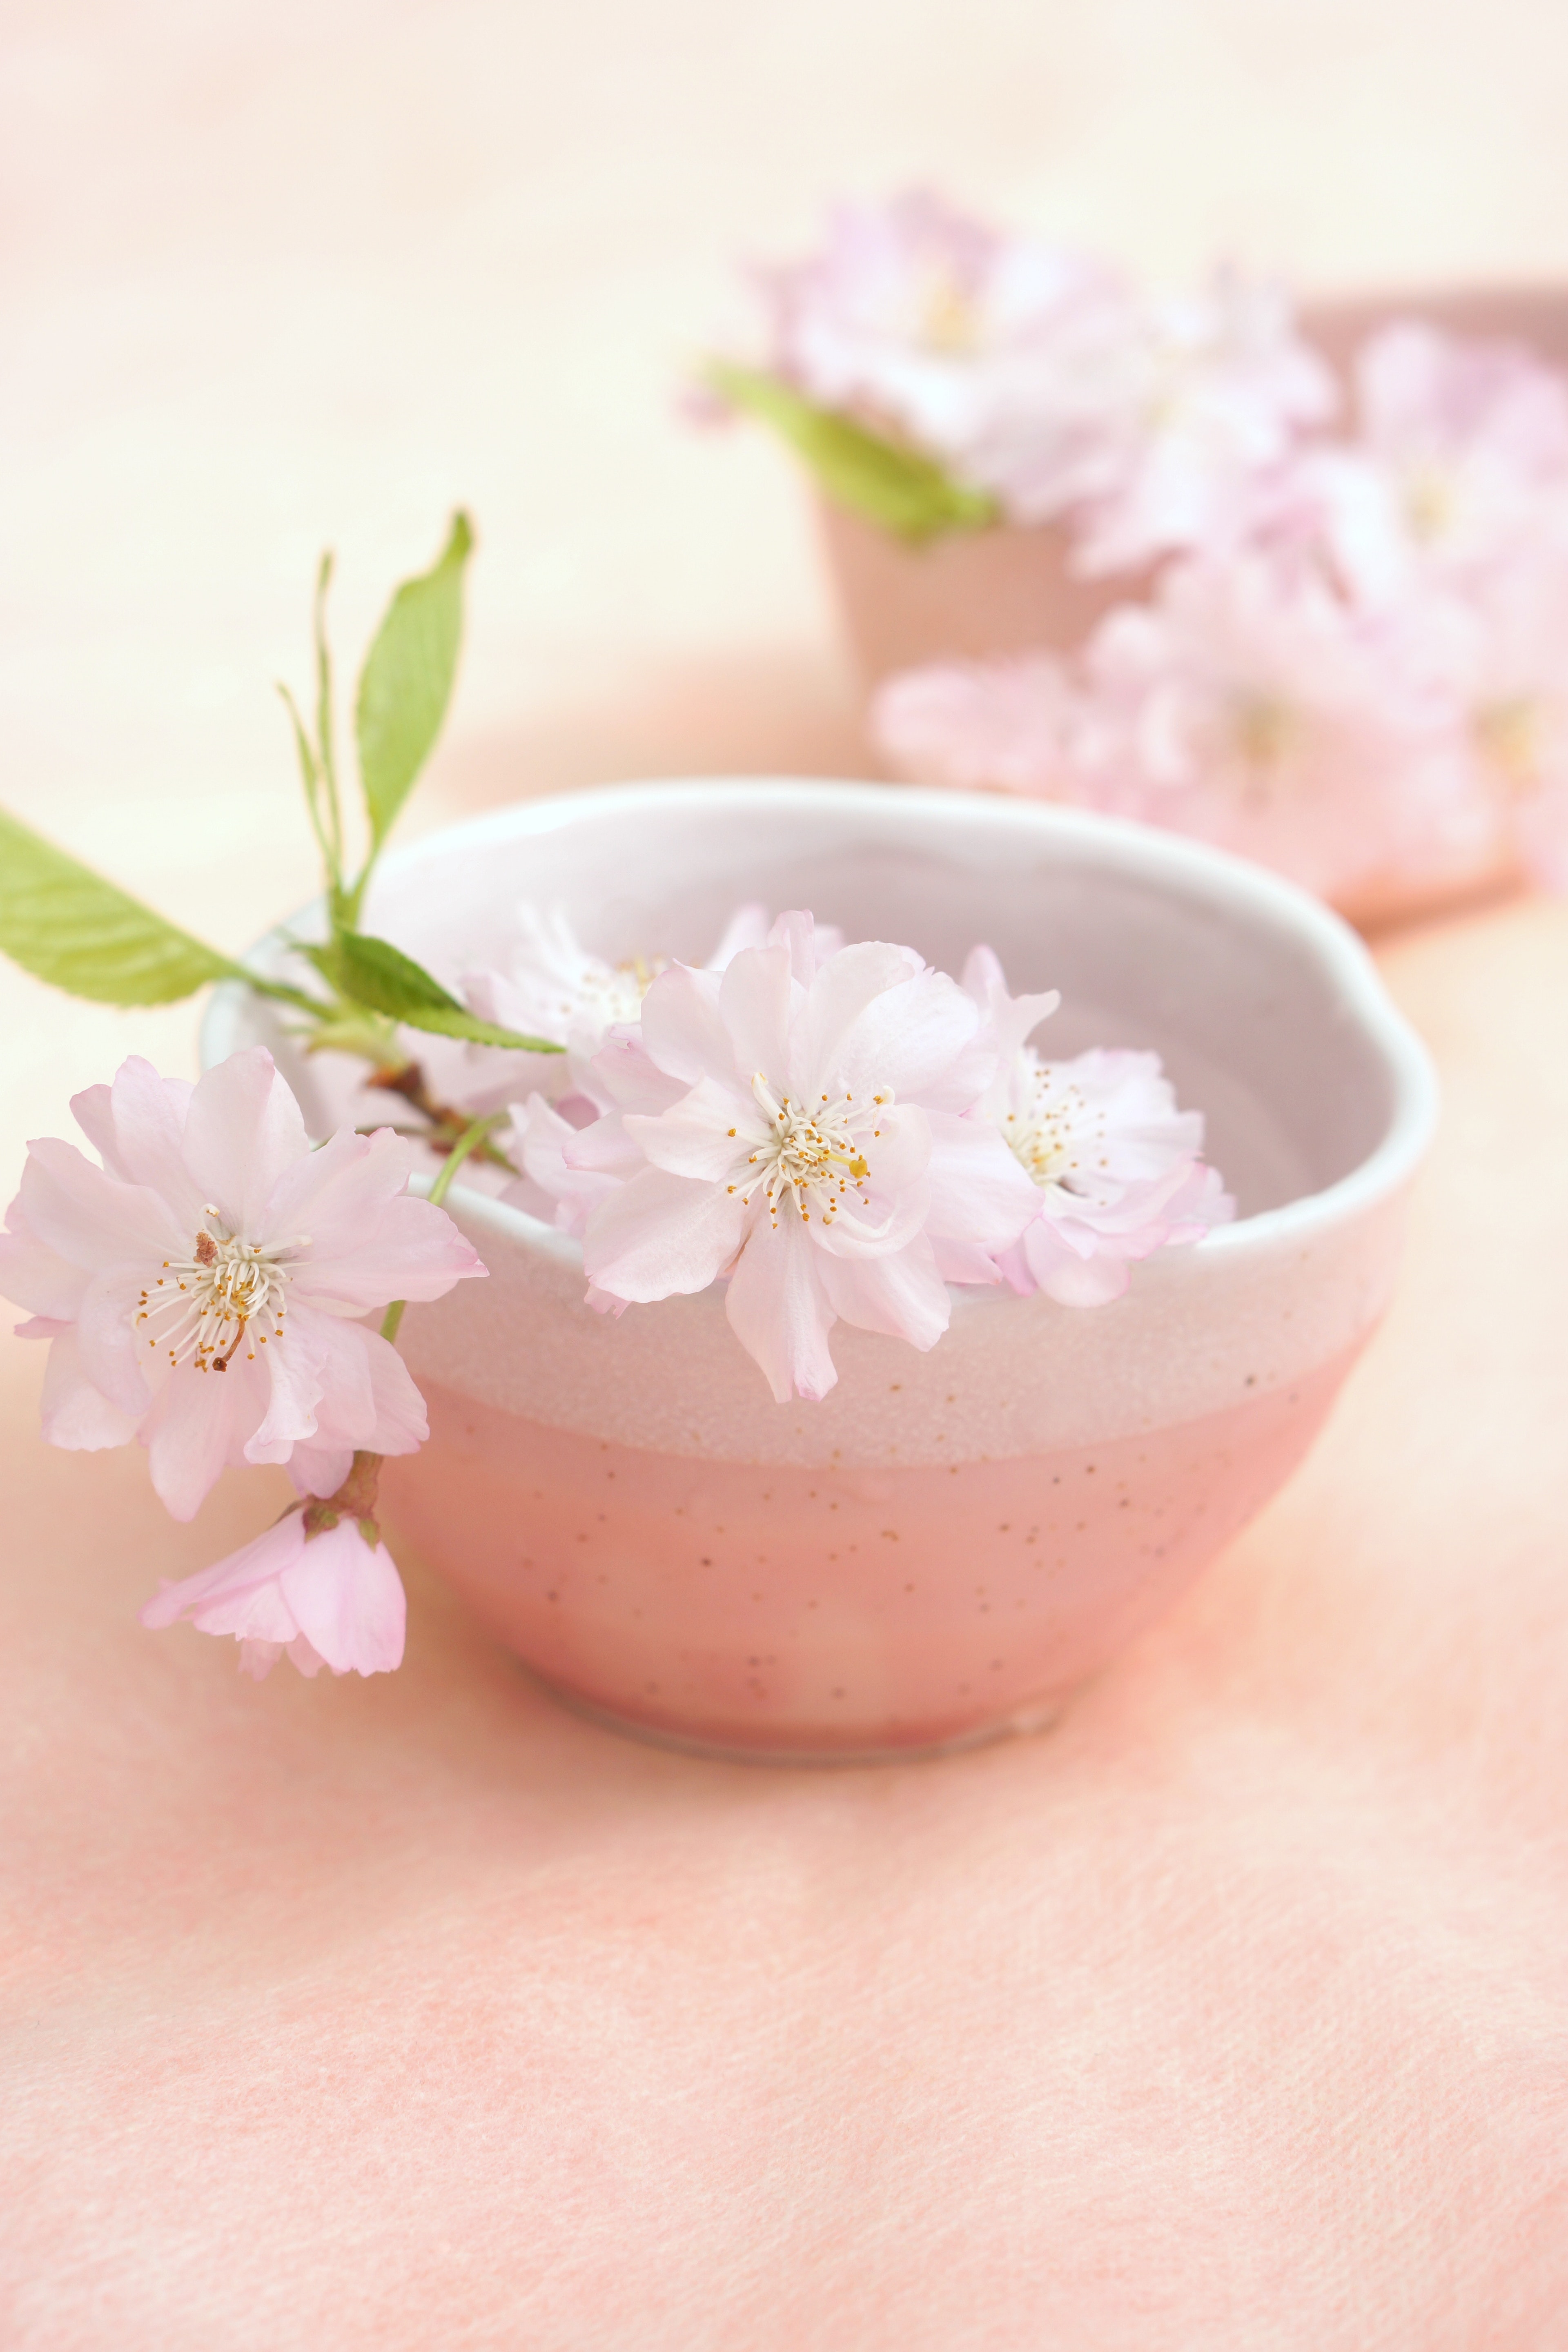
(816, 1153)
(1114, 1164)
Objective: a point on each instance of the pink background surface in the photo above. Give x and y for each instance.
(1232, 2013)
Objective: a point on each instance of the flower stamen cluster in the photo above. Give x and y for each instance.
(225, 1281)
(813, 1157)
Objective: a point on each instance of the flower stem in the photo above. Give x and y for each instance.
(472, 1136)
(356, 1499)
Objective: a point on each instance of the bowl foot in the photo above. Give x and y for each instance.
(1019, 1723)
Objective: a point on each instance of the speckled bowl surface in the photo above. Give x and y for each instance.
(950, 1542)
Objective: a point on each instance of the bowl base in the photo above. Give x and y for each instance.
(1019, 1723)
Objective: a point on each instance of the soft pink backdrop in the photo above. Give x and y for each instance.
(1233, 2014)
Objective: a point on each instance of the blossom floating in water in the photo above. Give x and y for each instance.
(839, 1136)
(199, 1288)
(1116, 1166)
(550, 986)
(328, 1598)
(816, 1155)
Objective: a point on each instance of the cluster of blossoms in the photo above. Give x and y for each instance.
(1366, 675)
(836, 1132)
(839, 1132)
(1344, 648)
(1044, 379)
(200, 1287)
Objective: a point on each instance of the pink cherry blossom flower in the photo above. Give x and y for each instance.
(1460, 458)
(1114, 1163)
(817, 1154)
(929, 325)
(1249, 705)
(567, 1169)
(200, 1289)
(333, 1599)
(1498, 656)
(550, 986)
(1187, 409)
(991, 725)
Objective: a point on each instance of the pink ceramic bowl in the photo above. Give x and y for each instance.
(951, 1542)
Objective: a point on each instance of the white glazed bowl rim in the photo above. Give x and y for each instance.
(1142, 851)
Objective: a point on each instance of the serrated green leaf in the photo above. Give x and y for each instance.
(375, 973)
(407, 682)
(64, 923)
(899, 489)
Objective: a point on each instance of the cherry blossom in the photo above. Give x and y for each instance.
(1459, 458)
(1248, 704)
(930, 325)
(1187, 411)
(200, 1289)
(549, 985)
(1041, 376)
(817, 1154)
(1114, 1163)
(1499, 658)
(329, 1597)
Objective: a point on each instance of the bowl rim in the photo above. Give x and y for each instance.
(1143, 850)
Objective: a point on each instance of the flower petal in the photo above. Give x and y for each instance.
(605, 1148)
(75, 1413)
(682, 1028)
(904, 1294)
(706, 1134)
(629, 1076)
(318, 1470)
(298, 1370)
(106, 1335)
(757, 997)
(897, 1155)
(239, 1594)
(401, 1424)
(1065, 1277)
(370, 1245)
(660, 1234)
(348, 1600)
(779, 1309)
(978, 1191)
(748, 926)
(335, 1192)
(34, 1276)
(242, 1130)
(199, 1423)
(908, 1038)
(137, 1126)
(845, 987)
(92, 1218)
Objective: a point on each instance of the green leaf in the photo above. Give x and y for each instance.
(407, 682)
(375, 973)
(897, 488)
(64, 923)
